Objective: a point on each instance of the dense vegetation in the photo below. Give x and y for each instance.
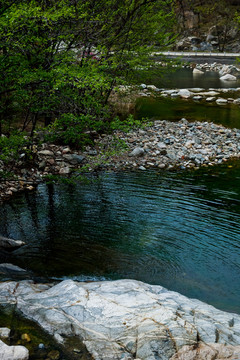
(60, 60)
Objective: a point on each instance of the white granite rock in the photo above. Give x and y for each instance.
(124, 318)
(210, 99)
(13, 352)
(184, 93)
(221, 101)
(197, 72)
(228, 77)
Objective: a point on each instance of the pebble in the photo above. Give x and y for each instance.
(4, 333)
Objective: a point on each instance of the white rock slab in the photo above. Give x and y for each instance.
(228, 77)
(221, 101)
(210, 99)
(197, 72)
(184, 93)
(13, 352)
(124, 318)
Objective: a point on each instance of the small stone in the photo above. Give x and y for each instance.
(142, 168)
(54, 355)
(184, 93)
(13, 189)
(237, 101)
(161, 145)
(26, 337)
(197, 97)
(210, 99)
(4, 333)
(66, 150)
(58, 338)
(78, 351)
(221, 101)
(92, 152)
(137, 152)
(46, 153)
(64, 170)
(197, 72)
(42, 165)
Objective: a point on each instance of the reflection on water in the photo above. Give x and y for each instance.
(176, 109)
(181, 231)
(183, 78)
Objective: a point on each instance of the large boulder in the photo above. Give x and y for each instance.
(125, 319)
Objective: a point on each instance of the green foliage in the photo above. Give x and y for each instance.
(128, 124)
(59, 60)
(10, 148)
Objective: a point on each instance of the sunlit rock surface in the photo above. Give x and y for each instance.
(127, 319)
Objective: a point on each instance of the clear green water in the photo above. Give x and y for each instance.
(183, 78)
(176, 109)
(179, 230)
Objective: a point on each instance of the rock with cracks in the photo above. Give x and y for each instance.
(126, 319)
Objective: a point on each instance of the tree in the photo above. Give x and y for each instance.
(61, 59)
(224, 12)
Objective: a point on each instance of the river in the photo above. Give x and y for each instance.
(179, 230)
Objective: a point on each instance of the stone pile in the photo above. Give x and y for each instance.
(222, 69)
(164, 145)
(183, 144)
(220, 96)
(49, 159)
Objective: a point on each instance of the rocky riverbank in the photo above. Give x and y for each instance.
(163, 145)
(127, 319)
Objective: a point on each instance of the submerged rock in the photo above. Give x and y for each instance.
(127, 319)
(10, 244)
